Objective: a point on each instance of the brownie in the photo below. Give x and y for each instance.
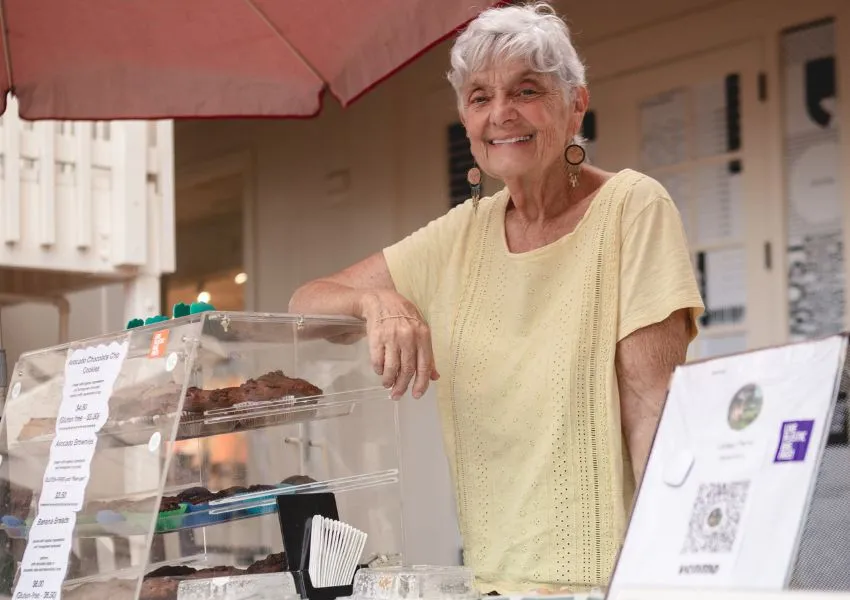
(172, 502)
(199, 495)
(260, 487)
(216, 572)
(229, 492)
(20, 501)
(196, 400)
(169, 503)
(157, 588)
(271, 386)
(298, 480)
(195, 495)
(172, 571)
(224, 398)
(163, 583)
(276, 385)
(148, 401)
(273, 563)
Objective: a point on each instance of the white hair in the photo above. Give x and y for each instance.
(533, 33)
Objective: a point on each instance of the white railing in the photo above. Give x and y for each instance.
(86, 201)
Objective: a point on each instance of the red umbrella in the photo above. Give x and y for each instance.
(151, 59)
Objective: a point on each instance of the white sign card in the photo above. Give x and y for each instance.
(90, 375)
(737, 434)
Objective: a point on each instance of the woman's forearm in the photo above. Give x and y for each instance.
(323, 297)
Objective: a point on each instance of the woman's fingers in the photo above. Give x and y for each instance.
(376, 353)
(406, 371)
(391, 365)
(424, 364)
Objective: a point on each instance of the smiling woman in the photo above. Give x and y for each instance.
(555, 312)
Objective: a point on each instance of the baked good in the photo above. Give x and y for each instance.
(298, 480)
(273, 563)
(168, 503)
(276, 385)
(157, 588)
(216, 572)
(172, 571)
(20, 501)
(196, 402)
(271, 386)
(195, 495)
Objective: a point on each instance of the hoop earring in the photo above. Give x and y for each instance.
(473, 176)
(574, 155)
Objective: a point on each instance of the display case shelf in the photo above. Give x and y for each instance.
(116, 523)
(272, 413)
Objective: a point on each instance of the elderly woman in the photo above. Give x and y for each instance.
(552, 313)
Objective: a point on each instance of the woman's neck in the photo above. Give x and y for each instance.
(540, 199)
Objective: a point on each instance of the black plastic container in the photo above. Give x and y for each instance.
(295, 513)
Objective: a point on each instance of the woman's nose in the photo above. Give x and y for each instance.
(503, 111)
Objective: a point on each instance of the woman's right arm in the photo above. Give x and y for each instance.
(399, 339)
(347, 292)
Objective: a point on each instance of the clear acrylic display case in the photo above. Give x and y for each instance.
(171, 477)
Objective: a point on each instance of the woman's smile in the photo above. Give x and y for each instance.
(517, 140)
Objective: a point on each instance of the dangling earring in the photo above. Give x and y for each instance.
(574, 155)
(473, 176)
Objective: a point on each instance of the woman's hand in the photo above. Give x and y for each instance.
(399, 342)
(399, 339)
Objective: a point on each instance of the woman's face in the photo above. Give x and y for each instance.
(518, 121)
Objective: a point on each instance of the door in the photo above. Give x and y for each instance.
(698, 127)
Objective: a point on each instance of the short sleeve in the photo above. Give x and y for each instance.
(656, 274)
(418, 263)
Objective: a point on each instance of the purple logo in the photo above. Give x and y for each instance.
(794, 441)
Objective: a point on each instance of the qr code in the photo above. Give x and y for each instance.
(715, 517)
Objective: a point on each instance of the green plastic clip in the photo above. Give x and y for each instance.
(181, 309)
(156, 319)
(198, 307)
(133, 323)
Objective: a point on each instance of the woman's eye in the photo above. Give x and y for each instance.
(477, 99)
(528, 92)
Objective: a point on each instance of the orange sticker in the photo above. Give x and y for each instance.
(159, 343)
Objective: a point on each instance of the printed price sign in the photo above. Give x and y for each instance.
(67, 473)
(45, 560)
(90, 375)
